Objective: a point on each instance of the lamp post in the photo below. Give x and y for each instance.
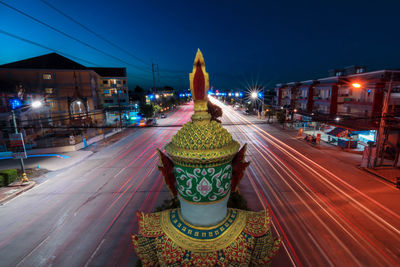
(382, 123)
(254, 96)
(15, 103)
(24, 177)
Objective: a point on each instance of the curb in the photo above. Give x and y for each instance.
(377, 175)
(23, 189)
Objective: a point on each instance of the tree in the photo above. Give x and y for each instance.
(281, 116)
(137, 94)
(147, 110)
(156, 109)
(168, 88)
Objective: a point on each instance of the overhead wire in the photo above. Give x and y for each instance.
(94, 33)
(71, 37)
(45, 47)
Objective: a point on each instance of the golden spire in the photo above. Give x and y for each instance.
(199, 84)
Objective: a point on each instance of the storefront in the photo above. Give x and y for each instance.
(365, 136)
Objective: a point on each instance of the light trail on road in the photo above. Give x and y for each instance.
(336, 220)
(82, 213)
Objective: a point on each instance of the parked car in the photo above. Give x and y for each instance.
(163, 116)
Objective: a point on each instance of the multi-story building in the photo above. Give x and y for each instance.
(114, 93)
(349, 98)
(73, 94)
(350, 92)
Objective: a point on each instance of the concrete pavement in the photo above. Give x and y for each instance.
(49, 163)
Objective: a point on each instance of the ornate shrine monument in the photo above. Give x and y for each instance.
(202, 167)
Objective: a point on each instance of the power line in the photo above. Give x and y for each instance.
(71, 37)
(45, 47)
(94, 33)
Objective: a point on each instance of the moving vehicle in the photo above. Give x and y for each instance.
(151, 122)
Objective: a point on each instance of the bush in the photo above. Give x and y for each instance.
(8, 176)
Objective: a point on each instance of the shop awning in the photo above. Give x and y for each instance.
(337, 132)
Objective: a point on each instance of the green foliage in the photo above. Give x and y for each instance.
(156, 108)
(147, 110)
(8, 176)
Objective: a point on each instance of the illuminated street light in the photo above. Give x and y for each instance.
(157, 96)
(356, 85)
(237, 94)
(295, 110)
(254, 95)
(337, 119)
(36, 104)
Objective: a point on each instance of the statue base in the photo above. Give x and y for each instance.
(243, 238)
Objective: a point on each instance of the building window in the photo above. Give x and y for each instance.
(118, 82)
(360, 70)
(108, 101)
(49, 90)
(105, 82)
(124, 82)
(338, 73)
(52, 103)
(46, 76)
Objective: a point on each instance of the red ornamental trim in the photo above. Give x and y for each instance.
(199, 83)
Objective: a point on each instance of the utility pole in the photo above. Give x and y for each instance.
(119, 109)
(382, 125)
(154, 77)
(24, 177)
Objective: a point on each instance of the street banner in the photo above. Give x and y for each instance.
(17, 146)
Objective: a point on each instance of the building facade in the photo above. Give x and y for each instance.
(351, 100)
(72, 94)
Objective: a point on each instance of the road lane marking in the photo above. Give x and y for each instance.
(94, 253)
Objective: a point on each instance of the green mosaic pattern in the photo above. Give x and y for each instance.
(203, 185)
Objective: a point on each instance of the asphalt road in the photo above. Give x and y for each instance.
(328, 212)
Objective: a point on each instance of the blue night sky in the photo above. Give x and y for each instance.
(243, 42)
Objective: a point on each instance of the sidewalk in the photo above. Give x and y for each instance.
(388, 173)
(13, 190)
(48, 163)
(51, 163)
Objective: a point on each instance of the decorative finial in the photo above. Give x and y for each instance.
(199, 81)
(199, 84)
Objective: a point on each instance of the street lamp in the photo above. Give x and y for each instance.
(15, 103)
(36, 104)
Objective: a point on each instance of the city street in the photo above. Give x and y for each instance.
(326, 215)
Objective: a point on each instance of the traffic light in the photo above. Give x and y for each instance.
(15, 103)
